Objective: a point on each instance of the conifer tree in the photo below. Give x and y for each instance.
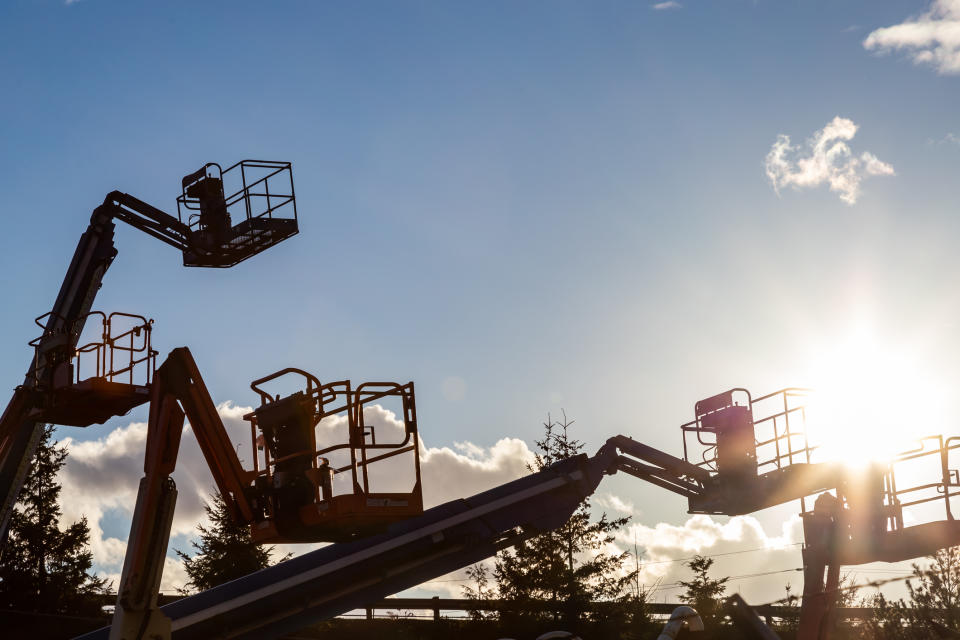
(932, 609)
(704, 593)
(43, 568)
(480, 577)
(570, 566)
(936, 594)
(225, 552)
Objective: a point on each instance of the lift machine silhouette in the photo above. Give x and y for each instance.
(315, 455)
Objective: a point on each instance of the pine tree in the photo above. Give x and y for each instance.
(225, 552)
(703, 592)
(480, 576)
(44, 569)
(936, 595)
(933, 606)
(570, 566)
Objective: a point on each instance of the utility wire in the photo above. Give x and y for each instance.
(671, 560)
(852, 587)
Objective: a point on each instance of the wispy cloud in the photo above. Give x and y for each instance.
(932, 38)
(825, 159)
(616, 503)
(670, 4)
(951, 138)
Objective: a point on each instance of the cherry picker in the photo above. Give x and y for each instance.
(737, 457)
(257, 194)
(740, 455)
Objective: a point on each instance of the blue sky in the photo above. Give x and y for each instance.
(560, 205)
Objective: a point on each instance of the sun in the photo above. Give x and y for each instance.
(873, 397)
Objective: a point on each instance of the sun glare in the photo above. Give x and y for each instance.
(872, 398)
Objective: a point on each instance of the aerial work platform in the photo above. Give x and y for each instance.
(348, 575)
(310, 490)
(258, 194)
(261, 199)
(324, 470)
(106, 377)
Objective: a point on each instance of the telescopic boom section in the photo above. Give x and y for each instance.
(180, 378)
(19, 433)
(178, 391)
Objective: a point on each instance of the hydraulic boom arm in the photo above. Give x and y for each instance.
(206, 239)
(349, 575)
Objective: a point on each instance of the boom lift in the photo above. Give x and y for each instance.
(347, 575)
(261, 198)
(726, 469)
(864, 521)
(740, 455)
(297, 499)
(294, 497)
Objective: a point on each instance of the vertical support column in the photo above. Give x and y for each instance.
(819, 556)
(812, 606)
(137, 615)
(831, 595)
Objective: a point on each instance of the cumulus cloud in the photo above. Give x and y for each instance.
(670, 4)
(932, 38)
(740, 547)
(101, 477)
(825, 159)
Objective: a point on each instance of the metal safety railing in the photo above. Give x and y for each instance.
(122, 352)
(258, 190)
(359, 445)
(780, 434)
(920, 476)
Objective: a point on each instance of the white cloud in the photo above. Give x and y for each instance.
(825, 159)
(101, 478)
(615, 503)
(740, 547)
(670, 4)
(932, 38)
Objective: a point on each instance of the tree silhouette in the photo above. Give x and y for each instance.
(225, 552)
(44, 569)
(932, 609)
(703, 593)
(570, 566)
(482, 591)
